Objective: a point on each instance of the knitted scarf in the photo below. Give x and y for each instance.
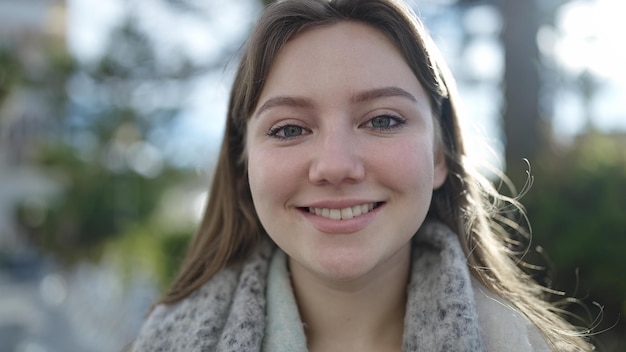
(228, 313)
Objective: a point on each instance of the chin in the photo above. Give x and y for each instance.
(345, 266)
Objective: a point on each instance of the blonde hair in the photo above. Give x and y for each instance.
(467, 202)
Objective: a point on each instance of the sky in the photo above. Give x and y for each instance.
(590, 38)
(585, 38)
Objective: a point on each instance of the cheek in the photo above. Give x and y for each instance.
(258, 175)
(270, 175)
(408, 165)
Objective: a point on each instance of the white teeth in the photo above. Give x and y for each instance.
(342, 214)
(346, 213)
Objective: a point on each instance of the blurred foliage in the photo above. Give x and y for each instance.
(577, 209)
(149, 248)
(10, 72)
(94, 206)
(100, 135)
(110, 174)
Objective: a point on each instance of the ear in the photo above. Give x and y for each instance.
(440, 170)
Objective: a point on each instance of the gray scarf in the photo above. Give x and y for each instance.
(227, 314)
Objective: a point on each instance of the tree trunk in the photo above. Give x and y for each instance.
(521, 119)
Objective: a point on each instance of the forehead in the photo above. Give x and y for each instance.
(346, 56)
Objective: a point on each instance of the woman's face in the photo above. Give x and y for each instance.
(342, 158)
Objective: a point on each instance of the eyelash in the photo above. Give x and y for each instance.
(274, 131)
(399, 121)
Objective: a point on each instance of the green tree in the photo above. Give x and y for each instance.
(111, 175)
(577, 207)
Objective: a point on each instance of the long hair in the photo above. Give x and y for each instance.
(467, 202)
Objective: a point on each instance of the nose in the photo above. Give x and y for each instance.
(336, 159)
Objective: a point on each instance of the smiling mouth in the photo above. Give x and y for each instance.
(345, 213)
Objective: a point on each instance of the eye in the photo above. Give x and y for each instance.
(287, 131)
(385, 122)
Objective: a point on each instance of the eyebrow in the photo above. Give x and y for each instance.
(359, 97)
(288, 101)
(382, 93)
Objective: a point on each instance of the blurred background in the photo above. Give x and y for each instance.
(111, 115)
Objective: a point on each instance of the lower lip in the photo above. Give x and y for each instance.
(340, 227)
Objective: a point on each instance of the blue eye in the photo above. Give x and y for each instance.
(292, 131)
(381, 122)
(385, 122)
(287, 131)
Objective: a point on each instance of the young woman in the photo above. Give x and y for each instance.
(344, 214)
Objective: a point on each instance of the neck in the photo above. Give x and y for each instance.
(354, 315)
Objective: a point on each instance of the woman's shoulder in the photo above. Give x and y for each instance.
(206, 316)
(503, 327)
(169, 327)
